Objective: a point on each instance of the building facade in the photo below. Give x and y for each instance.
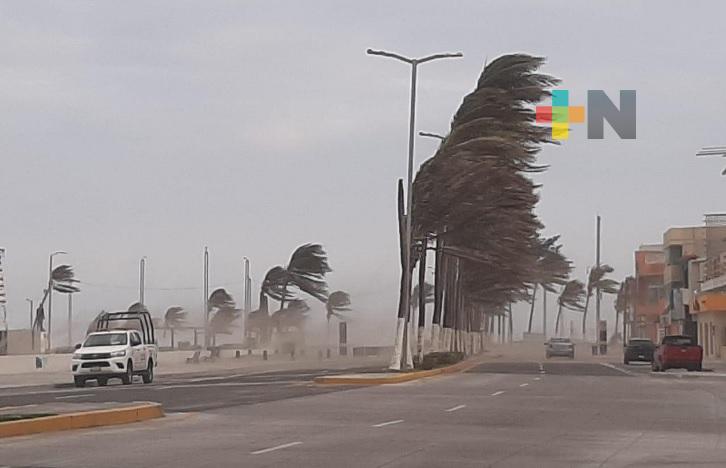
(648, 298)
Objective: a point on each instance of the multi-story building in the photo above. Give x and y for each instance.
(648, 298)
(708, 304)
(686, 250)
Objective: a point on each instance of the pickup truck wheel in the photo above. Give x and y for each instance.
(79, 381)
(102, 381)
(148, 375)
(128, 377)
(654, 367)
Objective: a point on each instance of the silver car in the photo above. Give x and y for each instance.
(560, 347)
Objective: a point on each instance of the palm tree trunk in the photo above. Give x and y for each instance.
(511, 324)
(438, 293)
(531, 309)
(404, 297)
(617, 323)
(172, 338)
(421, 301)
(584, 317)
(557, 320)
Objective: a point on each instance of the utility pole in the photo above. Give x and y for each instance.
(142, 279)
(206, 297)
(399, 353)
(597, 289)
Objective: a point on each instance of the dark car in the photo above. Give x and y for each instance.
(639, 349)
(560, 347)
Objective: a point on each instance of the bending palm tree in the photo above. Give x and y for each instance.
(225, 313)
(596, 280)
(338, 302)
(62, 280)
(571, 297)
(174, 318)
(551, 268)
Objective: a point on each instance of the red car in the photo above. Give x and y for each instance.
(677, 352)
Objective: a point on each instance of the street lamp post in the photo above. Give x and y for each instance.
(414, 62)
(247, 299)
(50, 292)
(32, 332)
(142, 279)
(432, 135)
(713, 151)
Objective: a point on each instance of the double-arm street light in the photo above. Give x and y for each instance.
(414, 62)
(50, 292)
(713, 151)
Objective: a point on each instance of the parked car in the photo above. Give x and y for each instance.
(677, 352)
(560, 347)
(638, 349)
(123, 346)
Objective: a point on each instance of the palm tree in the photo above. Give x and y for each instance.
(551, 268)
(473, 197)
(337, 304)
(571, 297)
(225, 313)
(597, 280)
(63, 280)
(173, 318)
(305, 272)
(622, 303)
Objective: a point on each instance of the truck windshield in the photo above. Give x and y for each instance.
(110, 339)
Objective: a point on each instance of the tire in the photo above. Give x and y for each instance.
(699, 367)
(102, 381)
(128, 377)
(148, 375)
(79, 382)
(654, 367)
(626, 362)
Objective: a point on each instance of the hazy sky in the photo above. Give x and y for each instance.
(156, 128)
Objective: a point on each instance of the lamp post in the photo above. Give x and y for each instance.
(402, 321)
(50, 293)
(432, 135)
(142, 279)
(713, 151)
(32, 331)
(247, 299)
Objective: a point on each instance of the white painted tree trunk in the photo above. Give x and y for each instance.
(398, 345)
(435, 337)
(420, 343)
(409, 348)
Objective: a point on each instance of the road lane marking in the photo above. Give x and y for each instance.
(455, 408)
(83, 395)
(3, 408)
(541, 368)
(497, 393)
(388, 423)
(537, 378)
(277, 447)
(523, 385)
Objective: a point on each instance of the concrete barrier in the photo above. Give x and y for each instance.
(82, 420)
(391, 377)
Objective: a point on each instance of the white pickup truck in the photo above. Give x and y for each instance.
(119, 352)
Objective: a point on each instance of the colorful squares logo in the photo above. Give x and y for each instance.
(560, 114)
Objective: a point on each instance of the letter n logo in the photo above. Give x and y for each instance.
(600, 108)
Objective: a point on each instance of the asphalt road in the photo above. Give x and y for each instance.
(517, 414)
(189, 392)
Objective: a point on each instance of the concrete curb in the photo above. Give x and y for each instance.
(394, 378)
(81, 420)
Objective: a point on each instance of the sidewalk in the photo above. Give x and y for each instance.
(19, 371)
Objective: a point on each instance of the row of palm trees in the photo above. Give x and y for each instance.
(473, 206)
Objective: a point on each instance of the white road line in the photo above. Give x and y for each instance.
(277, 447)
(74, 396)
(3, 408)
(388, 423)
(537, 378)
(497, 393)
(455, 408)
(541, 368)
(523, 385)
